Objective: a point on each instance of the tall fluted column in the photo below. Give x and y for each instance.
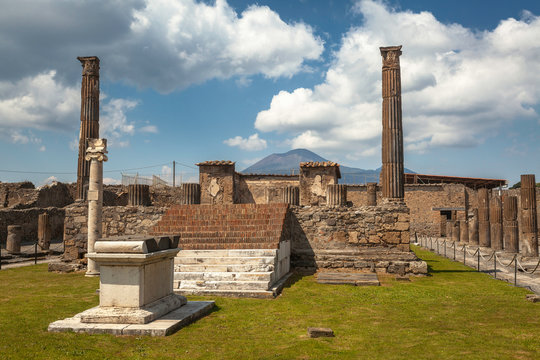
(97, 148)
(483, 218)
(392, 133)
(371, 194)
(495, 221)
(473, 228)
(510, 225)
(89, 118)
(138, 195)
(528, 216)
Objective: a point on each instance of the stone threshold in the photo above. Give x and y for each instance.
(356, 279)
(272, 293)
(163, 326)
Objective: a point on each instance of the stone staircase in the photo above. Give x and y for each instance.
(236, 250)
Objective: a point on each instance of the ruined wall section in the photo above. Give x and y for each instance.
(117, 220)
(262, 189)
(28, 219)
(24, 195)
(217, 182)
(314, 178)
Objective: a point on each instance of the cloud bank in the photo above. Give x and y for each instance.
(459, 86)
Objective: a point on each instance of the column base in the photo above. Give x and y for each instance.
(92, 273)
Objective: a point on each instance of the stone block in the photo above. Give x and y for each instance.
(314, 332)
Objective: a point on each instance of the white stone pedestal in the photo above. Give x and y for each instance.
(136, 290)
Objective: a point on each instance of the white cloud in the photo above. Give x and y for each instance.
(252, 143)
(111, 181)
(459, 86)
(114, 124)
(42, 148)
(149, 129)
(50, 180)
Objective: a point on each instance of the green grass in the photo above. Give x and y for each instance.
(455, 313)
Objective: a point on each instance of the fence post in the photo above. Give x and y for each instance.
(478, 256)
(515, 270)
(35, 253)
(430, 243)
(438, 252)
(444, 244)
(464, 252)
(454, 251)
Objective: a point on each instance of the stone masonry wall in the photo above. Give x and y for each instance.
(117, 220)
(217, 184)
(262, 189)
(28, 219)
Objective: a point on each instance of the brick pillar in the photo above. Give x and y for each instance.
(392, 133)
(495, 220)
(217, 182)
(473, 228)
(443, 225)
(371, 194)
(291, 195)
(138, 195)
(484, 238)
(464, 231)
(89, 119)
(336, 195)
(191, 193)
(44, 231)
(528, 216)
(510, 225)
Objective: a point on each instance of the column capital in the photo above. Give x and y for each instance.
(97, 148)
(390, 56)
(90, 65)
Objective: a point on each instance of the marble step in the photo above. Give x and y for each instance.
(220, 285)
(224, 276)
(219, 260)
(224, 268)
(227, 253)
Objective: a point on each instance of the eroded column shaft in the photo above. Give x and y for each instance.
(392, 133)
(336, 195)
(464, 231)
(14, 238)
(473, 228)
(44, 231)
(291, 195)
(484, 238)
(191, 193)
(529, 228)
(495, 221)
(371, 194)
(455, 230)
(510, 224)
(138, 195)
(89, 118)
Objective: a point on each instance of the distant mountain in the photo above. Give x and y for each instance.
(289, 162)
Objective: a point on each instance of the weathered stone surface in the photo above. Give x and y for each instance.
(315, 332)
(14, 237)
(473, 228)
(392, 134)
(371, 199)
(484, 234)
(533, 298)
(336, 195)
(291, 195)
(44, 231)
(314, 179)
(495, 220)
(89, 118)
(139, 195)
(356, 279)
(60, 266)
(529, 232)
(510, 224)
(191, 193)
(464, 231)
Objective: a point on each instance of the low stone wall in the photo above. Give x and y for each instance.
(117, 220)
(28, 219)
(366, 237)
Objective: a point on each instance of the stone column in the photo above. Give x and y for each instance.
(473, 228)
(138, 195)
(484, 237)
(14, 237)
(449, 228)
(371, 194)
(392, 133)
(291, 195)
(495, 220)
(191, 193)
(44, 231)
(510, 225)
(464, 231)
(443, 225)
(89, 119)
(528, 216)
(336, 195)
(455, 230)
(97, 148)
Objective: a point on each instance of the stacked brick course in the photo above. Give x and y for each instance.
(231, 226)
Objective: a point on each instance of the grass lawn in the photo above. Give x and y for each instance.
(455, 313)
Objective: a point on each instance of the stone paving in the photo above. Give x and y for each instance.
(522, 279)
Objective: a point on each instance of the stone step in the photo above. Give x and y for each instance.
(224, 276)
(227, 253)
(221, 285)
(195, 245)
(218, 260)
(224, 268)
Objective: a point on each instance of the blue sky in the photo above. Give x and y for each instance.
(191, 81)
